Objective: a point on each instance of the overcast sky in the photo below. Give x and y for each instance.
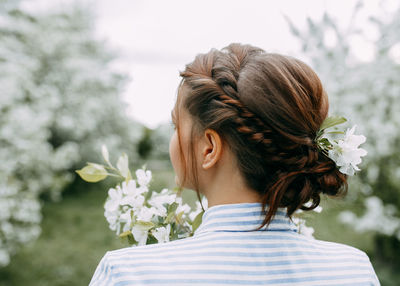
(156, 38)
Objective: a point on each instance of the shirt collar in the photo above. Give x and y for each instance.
(242, 217)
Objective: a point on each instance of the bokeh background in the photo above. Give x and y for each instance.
(78, 74)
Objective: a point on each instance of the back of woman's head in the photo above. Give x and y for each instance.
(268, 108)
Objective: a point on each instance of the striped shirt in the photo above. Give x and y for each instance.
(226, 250)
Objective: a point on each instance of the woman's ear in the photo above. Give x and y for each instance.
(211, 148)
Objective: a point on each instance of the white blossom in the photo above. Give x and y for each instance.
(308, 204)
(158, 201)
(126, 219)
(113, 220)
(302, 227)
(47, 126)
(185, 208)
(366, 93)
(375, 211)
(132, 195)
(146, 214)
(140, 233)
(318, 209)
(129, 211)
(346, 153)
(143, 177)
(162, 233)
(114, 199)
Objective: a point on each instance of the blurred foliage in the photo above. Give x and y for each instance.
(367, 92)
(75, 236)
(155, 143)
(59, 102)
(145, 146)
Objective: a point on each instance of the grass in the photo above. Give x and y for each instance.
(75, 236)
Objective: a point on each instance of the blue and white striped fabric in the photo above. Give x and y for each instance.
(225, 250)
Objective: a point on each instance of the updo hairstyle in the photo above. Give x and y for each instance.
(268, 108)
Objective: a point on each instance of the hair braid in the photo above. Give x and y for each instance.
(226, 72)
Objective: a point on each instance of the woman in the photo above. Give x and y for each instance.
(246, 128)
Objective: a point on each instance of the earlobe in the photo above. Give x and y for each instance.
(212, 149)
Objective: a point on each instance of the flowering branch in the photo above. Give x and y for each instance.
(135, 212)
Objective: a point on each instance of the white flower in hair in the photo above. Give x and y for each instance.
(346, 153)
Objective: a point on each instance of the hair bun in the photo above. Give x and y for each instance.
(305, 178)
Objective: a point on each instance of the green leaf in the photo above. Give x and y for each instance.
(125, 233)
(332, 121)
(335, 132)
(324, 142)
(172, 207)
(197, 221)
(171, 212)
(169, 218)
(131, 239)
(128, 234)
(179, 216)
(92, 173)
(146, 225)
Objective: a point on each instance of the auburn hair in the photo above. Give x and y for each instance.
(268, 108)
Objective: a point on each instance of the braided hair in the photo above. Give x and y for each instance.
(268, 108)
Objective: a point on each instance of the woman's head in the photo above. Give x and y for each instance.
(267, 108)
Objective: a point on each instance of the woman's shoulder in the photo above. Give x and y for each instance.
(124, 259)
(341, 247)
(331, 246)
(350, 254)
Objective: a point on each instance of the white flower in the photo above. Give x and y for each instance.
(140, 233)
(377, 217)
(130, 188)
(126, 209)
(143, 177)
(302, 228)
(114, 199)
(135, 202)
(308, 204)
(159, 199)
(146, 214)
(318, 209)
(162, 233)
(126, 218)
(346, 153)
(306, 230)
(185, 208)
(113, 220)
